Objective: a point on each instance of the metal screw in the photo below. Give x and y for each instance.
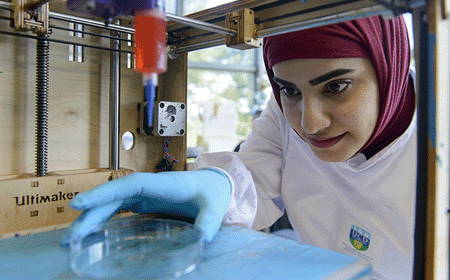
(182, 131)
(161, 131)
(182, 106)
(161, 105)
(171, 52)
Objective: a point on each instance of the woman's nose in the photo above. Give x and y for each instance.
(314, 116)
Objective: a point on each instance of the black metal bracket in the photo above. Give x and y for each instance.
(144, 127)
(399, 7)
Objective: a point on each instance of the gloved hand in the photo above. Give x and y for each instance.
(201, 194)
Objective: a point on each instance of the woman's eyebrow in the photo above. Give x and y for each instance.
(281, 81)
(330, 75)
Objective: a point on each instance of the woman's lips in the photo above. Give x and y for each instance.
(326, 143)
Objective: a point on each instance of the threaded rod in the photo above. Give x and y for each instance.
(42, 72)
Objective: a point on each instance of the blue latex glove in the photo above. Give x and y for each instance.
(201, 194)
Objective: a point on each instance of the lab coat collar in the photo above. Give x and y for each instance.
(359, 162)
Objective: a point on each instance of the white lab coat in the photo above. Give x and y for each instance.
(329, 205)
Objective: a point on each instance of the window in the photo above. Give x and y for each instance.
(192, 6)
(226, 91)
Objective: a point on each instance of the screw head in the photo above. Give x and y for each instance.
(182, 106)
(161, 131)
(161, 105)
(182, 131)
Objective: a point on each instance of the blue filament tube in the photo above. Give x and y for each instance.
(150, 84)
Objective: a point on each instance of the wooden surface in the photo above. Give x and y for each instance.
(30, 205)
(437, 236)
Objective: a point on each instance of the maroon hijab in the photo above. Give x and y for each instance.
(384, 42)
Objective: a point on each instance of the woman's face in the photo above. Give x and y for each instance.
(332, 104)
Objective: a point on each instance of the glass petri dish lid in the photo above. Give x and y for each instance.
(138, 247)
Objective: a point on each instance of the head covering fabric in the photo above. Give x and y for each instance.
(384, 42)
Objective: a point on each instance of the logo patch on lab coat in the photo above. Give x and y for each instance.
(360, 241)
(359, 238)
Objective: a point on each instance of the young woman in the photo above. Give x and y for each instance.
(335, 148)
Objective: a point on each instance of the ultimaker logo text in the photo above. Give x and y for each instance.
(37, 199)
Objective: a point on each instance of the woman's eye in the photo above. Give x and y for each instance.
(289, 91)
(336, 87)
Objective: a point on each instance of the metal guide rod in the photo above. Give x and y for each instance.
(174, 51)
(64, 42)
(114, 104)
(321, 21)
(95, 23)
(201, 25)
(6, 5)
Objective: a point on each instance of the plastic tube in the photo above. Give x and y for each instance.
(150, 82)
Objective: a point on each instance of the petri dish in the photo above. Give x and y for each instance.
(138, 247)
